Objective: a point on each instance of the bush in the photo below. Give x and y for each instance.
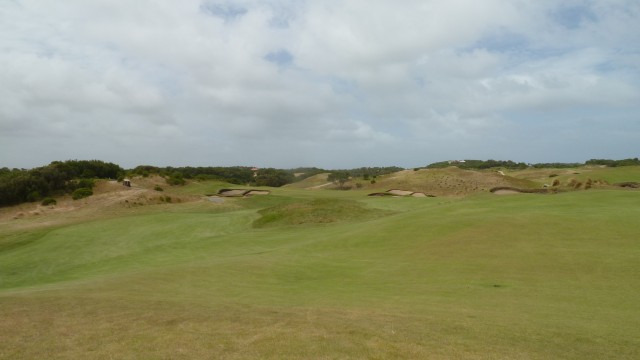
(33, 196)
(81, 193)
(158, 188)
(49, 201)
(175, 179)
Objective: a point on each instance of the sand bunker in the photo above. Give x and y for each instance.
(397, 193)
(242, 192)
(506, 192)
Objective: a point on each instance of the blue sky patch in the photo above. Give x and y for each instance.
(573, 17)
(280, 57)
(226, 11)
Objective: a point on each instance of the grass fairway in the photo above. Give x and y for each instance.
(518, 277)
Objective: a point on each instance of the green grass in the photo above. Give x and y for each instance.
(611, 175)
(524, 276)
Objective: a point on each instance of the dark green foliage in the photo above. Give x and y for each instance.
(176, 179)
(49, 201)
(613, 163)
(34, 196)
(339, 177)
(272, 177)
(81, 193)
(556, 165)
(234, 175)
(19, 185)
(158, 188)
(479, 164)
(80, 183)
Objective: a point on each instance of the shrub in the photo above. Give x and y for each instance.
(81, 193)
(33, 196)
(175, 179)
(158, 188)
(49, 201)
(556, 182)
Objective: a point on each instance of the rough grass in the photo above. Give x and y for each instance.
(530, 277)
(450, 181)
(584, 173)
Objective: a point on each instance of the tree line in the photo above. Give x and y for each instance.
(508, 164)
(59, 177)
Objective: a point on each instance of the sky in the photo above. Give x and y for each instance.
(325, 83)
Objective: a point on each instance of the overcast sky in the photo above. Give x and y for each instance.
(333, 84)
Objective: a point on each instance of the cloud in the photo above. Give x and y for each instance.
(243, 82)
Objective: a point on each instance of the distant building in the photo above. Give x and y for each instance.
(126, 182)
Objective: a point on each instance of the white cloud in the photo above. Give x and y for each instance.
(213, 79)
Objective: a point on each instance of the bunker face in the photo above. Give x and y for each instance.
(506, 192)
(400, 192)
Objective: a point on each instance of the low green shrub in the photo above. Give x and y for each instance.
(49, 201)
(81, 193)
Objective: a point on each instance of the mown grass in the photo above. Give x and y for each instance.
(317, 211)
(525, 276)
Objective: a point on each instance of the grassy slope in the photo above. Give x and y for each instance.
(448, 181)
(314, 181)
(525, 276)
(611, 175)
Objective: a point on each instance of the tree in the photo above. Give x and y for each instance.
(339, 178)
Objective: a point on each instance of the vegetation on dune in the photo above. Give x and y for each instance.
(509, 164)
(17, 186)
(361, 172)
(478, 164)
(81, 193)
(613, 163)
(59, 177)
